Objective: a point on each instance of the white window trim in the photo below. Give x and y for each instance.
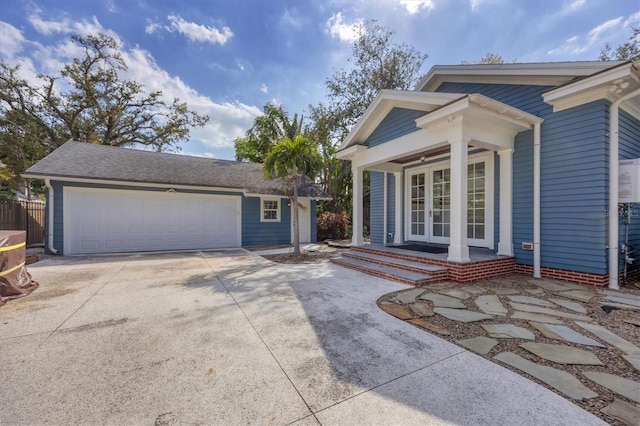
(279, 209)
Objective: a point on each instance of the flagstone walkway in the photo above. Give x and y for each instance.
(580, 342)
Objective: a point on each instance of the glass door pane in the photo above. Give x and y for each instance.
(441, 199)
(476, 201)
(418, 205)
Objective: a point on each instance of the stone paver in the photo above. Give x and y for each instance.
(490, 304)
(536, 291)
(562, 354)
(618, 294)
(457, 293)
(580, 295)
(397, 311)
(625, 387)
(632, 321)
(531, 316)
(623, 411)
(548, 311)
(562, 332)
(503, 290)
(531, 301)
(461, 315)
(508, 331)
(442, 301)
(429, 326)
(624, 300)
(558, 379)
(573, 306)
(409, 296)
(481, 344)
(421, 309)
(609, 337)
(473, 289)
(633, 360)
(549, 286)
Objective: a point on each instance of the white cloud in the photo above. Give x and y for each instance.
(575, 5)
(632, 20)
(414, 6)
(341, 30)
(595, 37)
(291, 18)
(152, 27)
(50, 27)
(12, 40)
(264, 88)
(111, 6)
(197, 32)
(228, 118)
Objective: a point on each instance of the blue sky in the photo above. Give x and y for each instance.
(228, 58)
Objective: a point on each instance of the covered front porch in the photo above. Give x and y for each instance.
(440, 181)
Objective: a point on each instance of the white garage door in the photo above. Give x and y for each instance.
(112, 221)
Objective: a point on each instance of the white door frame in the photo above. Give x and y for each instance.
(305, 224)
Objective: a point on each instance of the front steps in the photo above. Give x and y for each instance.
(415, 273)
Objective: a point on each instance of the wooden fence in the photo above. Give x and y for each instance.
(24, 216)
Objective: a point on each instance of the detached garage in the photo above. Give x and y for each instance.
(104, 199)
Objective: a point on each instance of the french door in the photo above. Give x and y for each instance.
(429, 199)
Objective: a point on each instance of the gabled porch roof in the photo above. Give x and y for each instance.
(485, 122)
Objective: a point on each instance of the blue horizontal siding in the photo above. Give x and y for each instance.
(391, 205)
(376, 207)
(522, 210)
(526, 98)
(398, 122)
(255, 232)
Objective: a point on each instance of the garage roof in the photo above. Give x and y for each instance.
(79, 160)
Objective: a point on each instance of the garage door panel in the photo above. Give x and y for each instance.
(99, 220)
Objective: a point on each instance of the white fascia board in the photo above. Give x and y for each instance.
(539, 74)
(348, 153)
(129, 183)
(592, 88)
(385, 102)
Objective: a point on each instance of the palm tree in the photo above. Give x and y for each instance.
(290, 158)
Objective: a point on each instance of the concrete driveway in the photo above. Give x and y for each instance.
(229, 338)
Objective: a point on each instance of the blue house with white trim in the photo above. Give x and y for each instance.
(519, 160)
(104, 199)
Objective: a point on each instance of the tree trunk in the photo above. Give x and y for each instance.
(296, 228)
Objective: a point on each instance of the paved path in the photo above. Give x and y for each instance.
(229, 338)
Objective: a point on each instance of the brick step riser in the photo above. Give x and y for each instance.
(395, 255)
(391, 277)
(417, 269)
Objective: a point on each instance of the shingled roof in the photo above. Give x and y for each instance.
(78, 160)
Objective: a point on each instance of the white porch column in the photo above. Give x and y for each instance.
(458, 248)
(356, 221)
(505, 245)
(398, 234)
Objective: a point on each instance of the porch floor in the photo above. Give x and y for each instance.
(476, 254)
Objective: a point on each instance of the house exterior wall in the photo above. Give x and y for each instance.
(254, 232)
(573, 192)
(376, 210)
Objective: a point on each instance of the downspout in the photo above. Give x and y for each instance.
(47, 183)
(536, 200)
(614, 139)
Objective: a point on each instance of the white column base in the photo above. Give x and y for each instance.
(505, 249)
(459, 254)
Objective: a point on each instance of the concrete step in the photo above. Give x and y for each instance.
(395, 262)
(385, 271)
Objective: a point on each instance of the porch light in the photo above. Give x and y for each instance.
(423, 158)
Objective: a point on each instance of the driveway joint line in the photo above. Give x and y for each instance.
(391, 381)
(264, 343)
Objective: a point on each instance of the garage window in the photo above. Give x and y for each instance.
(269, 210)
